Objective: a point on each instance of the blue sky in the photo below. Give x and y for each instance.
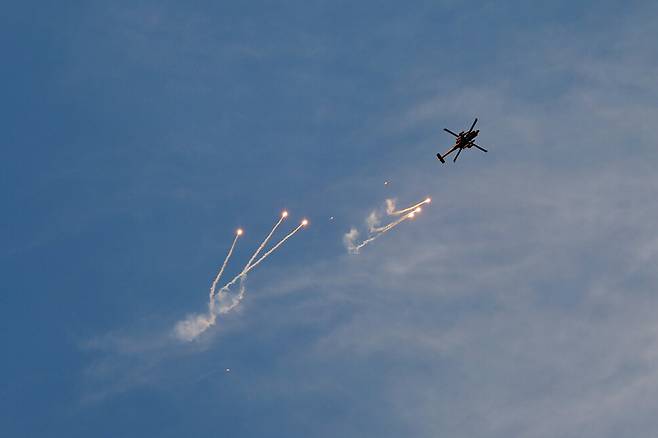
(137, 136)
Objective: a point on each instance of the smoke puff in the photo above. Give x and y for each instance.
(390, 206)
(372, 221)
(192, 326)
(349, 238)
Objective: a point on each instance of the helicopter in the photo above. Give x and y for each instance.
(463, 140)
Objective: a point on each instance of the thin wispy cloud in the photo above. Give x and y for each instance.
(520, 305)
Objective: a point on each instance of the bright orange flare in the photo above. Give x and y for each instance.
(284, 213)
(391, 210)
(239, 232)
(305, 222)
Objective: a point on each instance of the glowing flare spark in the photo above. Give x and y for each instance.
(223, 301)
(391, 211)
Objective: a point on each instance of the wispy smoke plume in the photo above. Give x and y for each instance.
(373, 221)
(225, 301)
(349, 240)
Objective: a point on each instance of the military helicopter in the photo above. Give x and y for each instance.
(464, 140)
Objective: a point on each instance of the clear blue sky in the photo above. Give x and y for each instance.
(137, 136)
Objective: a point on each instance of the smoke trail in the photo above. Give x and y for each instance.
(391, 211)
(246, 270)
(213, 287)
(193, 325)
(349, 240)
(373, 221)
(229, 301)
(354, 249)
(267, 239)
(300, 226)
(233, 301)
(375, 230)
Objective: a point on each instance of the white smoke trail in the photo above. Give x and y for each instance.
(390, 207)
(391, 211)
(349, 240)
(281, 242)
(246, 270)
(373, 221)
(213, 286)
(267, 239)
(230, 301)
(354, 249)
(194, 325)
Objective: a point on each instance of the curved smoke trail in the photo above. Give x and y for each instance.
(191, 327)
(375, 231)
(213, 286)
(267, 239)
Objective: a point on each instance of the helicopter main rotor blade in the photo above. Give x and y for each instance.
(457, 156)
(479, 147)
(449, 131)
(473, 125)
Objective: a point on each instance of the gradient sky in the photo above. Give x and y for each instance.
(137, 136)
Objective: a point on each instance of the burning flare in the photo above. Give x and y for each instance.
(192, 326)
(374, 231)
